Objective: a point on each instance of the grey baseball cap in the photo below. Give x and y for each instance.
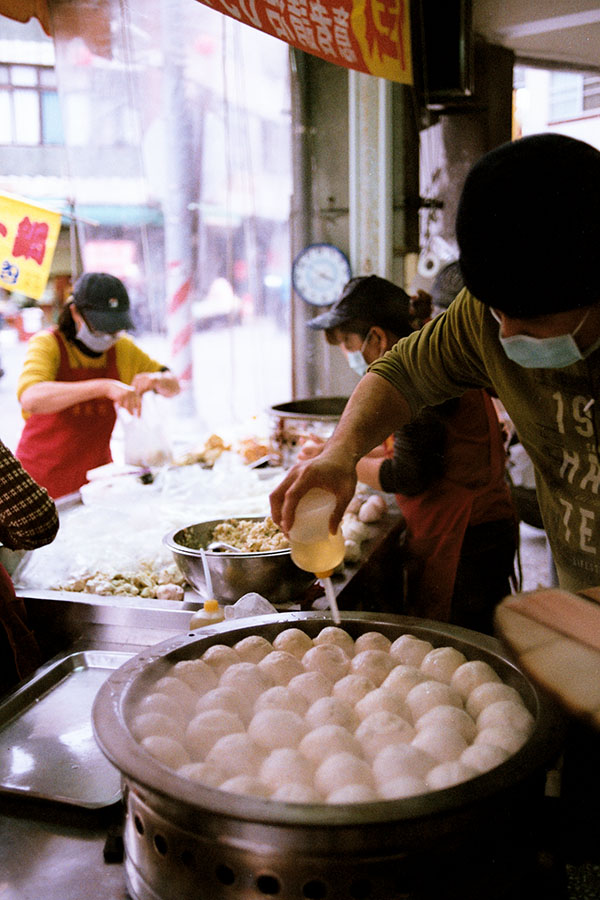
(369, 299)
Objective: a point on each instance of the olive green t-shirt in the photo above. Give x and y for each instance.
(554, 412)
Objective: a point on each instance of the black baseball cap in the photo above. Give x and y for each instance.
(369, 299)
(104, 302)
(528, 226)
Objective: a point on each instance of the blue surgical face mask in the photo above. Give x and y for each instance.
(357, 361)
(545, 353)
(97, 343)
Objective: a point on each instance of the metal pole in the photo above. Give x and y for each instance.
(178, 218)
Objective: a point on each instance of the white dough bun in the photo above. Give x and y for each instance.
(489, 692)
(471, 674)
(372, 640)
(410, 650)
(447, 774)
(294, 641)
(328, 659)
(253, 648)
(373, 664)
(219, 657)
(327, 740)
(403, 786)
(332, 634)
(400, 760)
(273, 728)
(166, 750)
(442, 662)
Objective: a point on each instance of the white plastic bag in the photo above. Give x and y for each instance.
(251, 604)
(146, 441)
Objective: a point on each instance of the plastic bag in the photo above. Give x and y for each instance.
(146, 442)
(251, 604)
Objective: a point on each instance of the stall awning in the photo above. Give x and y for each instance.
(24, 10)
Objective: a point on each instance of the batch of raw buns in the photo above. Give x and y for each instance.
(331, 719)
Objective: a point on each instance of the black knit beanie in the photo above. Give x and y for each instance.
(528, 226)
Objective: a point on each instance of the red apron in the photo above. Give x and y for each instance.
(472, 491)
(57, 449)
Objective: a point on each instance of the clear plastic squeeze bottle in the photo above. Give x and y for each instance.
(210, 613)
(313, 547)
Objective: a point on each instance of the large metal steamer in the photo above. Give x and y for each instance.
(184, 841)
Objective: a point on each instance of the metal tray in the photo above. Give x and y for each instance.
(47, 746)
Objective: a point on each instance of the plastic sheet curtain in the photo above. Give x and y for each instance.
(181, 116)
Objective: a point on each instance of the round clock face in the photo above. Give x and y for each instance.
(319, 273)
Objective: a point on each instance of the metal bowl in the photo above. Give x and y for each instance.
(272, 574)
(298, 419)
(184, 839)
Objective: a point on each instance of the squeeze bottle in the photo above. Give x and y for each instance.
(210, 614)
(313, 547)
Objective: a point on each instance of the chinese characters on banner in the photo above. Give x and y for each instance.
(28, 236)
(371, 36)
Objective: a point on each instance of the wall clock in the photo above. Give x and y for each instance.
(319, 273)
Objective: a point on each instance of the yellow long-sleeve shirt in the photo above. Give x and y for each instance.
(42, 360)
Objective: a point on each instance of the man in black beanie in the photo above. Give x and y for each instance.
(527, 326)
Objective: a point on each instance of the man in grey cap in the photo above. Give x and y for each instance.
(74, 376)
(447, 469)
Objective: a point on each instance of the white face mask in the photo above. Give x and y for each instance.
(357, 361)
(545, 353)
(97, 343)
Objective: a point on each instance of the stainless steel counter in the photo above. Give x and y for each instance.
(54, 851)
(47, 853)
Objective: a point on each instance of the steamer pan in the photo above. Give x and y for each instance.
(298, 419)
(185, 841)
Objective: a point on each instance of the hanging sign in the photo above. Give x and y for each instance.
(28, 236)
(371, 36)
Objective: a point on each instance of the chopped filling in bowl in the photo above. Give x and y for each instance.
(251, 536)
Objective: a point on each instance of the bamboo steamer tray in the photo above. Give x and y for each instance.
(555, 637)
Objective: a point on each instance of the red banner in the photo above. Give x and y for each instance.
(371, 36)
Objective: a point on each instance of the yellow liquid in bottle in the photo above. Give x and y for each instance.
(320, 557)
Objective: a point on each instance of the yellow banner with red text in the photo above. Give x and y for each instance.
(28, 236)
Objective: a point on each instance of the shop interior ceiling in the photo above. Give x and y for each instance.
(565, 32)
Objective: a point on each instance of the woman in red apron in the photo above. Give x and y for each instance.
(446, 469)
(73, 379)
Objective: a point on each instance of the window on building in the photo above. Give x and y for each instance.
(573, 94)
(29, 108)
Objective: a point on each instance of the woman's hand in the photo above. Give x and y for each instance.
(164, 383)
(123, 395)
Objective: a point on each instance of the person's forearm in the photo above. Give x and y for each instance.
(166, 384)
(367, 471)
(374, 410)
(372, 413)
(54, 396)
(28, 516)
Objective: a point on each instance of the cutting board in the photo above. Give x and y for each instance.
(555, 637)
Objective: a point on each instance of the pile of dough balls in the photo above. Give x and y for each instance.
(359, 521)
(331, 719)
